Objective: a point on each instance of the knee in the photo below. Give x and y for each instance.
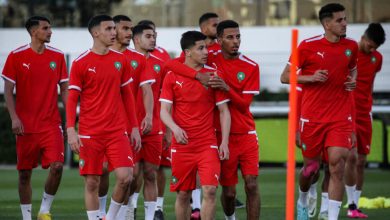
(251, 185)
(92, 183)
(183, 196)
(361, 162)
(56, 167)
(336, 168)
(209, 192)
(150, 175)
(310, 168)
(24, 177)
(229, 193)
(352, 158)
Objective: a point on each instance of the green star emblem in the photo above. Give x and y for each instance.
(373, 59)
(52, 65)
(303, 146)
(118, 65)
(134, 64)
(174, 180)
(81, 163)
(240, 76)
(157, 68)
(348, 52)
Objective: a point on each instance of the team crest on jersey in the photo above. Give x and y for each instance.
(174, 180)
(134, 64)
(303, 146)
(52, 65)
(81, 163)
(157, 68)
(373, 59)
(348, 52)
(118, 65)
(240, 76)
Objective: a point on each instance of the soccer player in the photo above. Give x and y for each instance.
(208, 26)
(194, 146)
(158, 51)
(328, 71)
(101, 78)
(123, 27)
(36, 70)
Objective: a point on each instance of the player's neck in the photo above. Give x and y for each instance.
(140, 50)
(37, 46)
(331, 37)
(229, 56)
(194, 65)
(209, 41)
(118, 47)
(99, 48)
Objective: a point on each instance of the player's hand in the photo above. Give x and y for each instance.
(319, 76)
(217, 82)
(167, 139)
(350, 85)
(298, 141)
(74, 140)
(146, 124)
(180, 135)
(135, 139)
(223, 152)
(204, 77)
(17, 126)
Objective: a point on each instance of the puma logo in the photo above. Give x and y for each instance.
(321, 54)
(26, 65)
(92, 69)
(180, 84)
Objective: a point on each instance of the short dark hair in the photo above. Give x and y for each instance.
(376, 33)
(206, 16)
(327, 10)
(96, 20)
(139, 29)
(147, 22)
(34, 21)
(226, 24)
(189, 39)
(119, 18)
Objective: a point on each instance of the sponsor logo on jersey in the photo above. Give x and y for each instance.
(93, 69)
(180, 84)
(157, 68)
(118, 65)
(321, 54)
(240, 76)
(348, 52)
(26, 65)
(53, 65)
(373, 59)
(134, 64)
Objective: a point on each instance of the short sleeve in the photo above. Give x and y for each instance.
(353, 61)
(9, 70)
(145, 73)
(75, 81)
(221, 97)
(379, 66)
(126, 74)
(64, 73)
(252, 85)
(167, 94)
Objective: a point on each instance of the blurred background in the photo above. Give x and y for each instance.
(265, 27)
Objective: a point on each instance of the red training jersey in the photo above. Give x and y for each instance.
(368, 66)
(161, 53)
(192, 105)
(328, 101)
(99, 79)
(36, 77)
(243, 76)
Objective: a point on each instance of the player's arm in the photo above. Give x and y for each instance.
(167, 139)
(71, 107)
(17, 125)
(165, 114)
(147, 97)
(225, 120)
(177, 66)
(318, 76)
(350, 84)
(129, 103)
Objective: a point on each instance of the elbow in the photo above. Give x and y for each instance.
(284, 80)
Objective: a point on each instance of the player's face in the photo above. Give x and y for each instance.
(211, 28)
(198, 53)
(338, 24)
(123, 32)
(230, 41)
(366, 45)
(42, 32)
(147, 40)
(106, 33)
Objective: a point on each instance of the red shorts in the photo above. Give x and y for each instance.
(364, 135)
(49, 146)
(243, 151)
(188, 160)
(166, 157)
(151, 149)
(117, 150)
(316, 137)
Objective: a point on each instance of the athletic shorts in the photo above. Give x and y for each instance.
(166, 157)
(243, 151)
(151, 149)
(364, 135)
(316, 137)
(47, 146)
(190, 159)
(117, 150)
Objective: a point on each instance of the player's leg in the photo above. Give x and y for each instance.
(208, 202)
(150, 189)
(181, 205)
(91, 188)
(25, 193)
(103, 189)
(323, 215)
(252, 197)
(350, 180)
(312, 197)
(161, 181)
(196, 200)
